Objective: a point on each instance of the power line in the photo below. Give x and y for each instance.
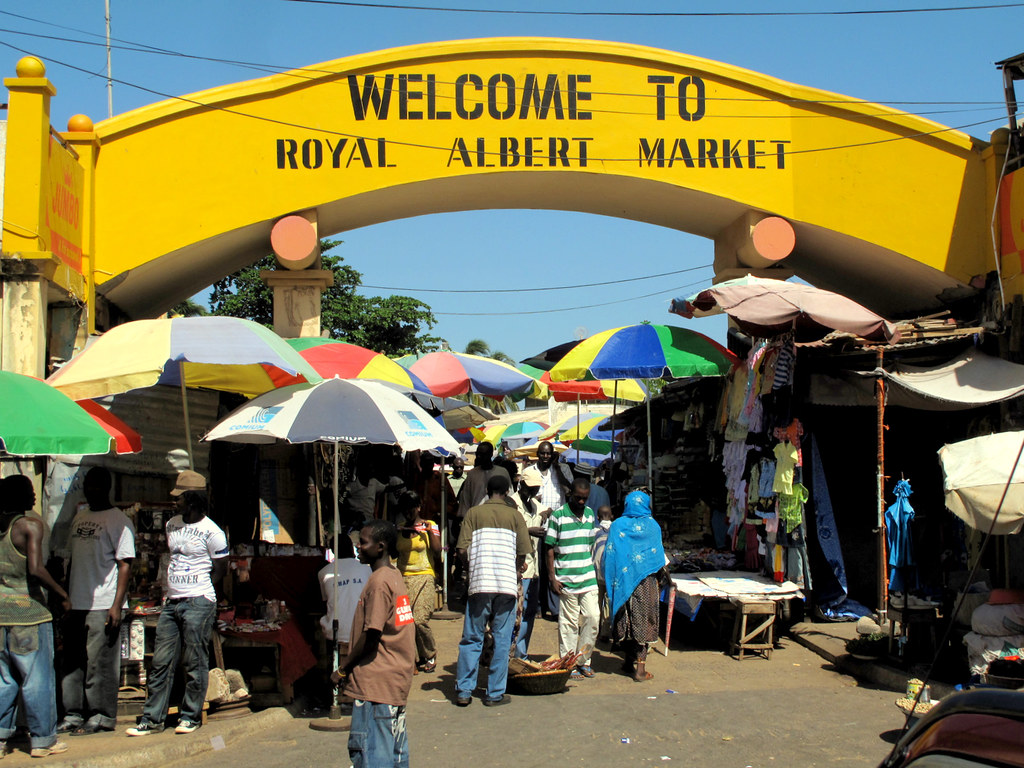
(536, 290)
(291, 71)
(661, 14)
(567, 309)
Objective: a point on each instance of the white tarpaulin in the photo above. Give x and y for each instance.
(976, 475)
(970, 380)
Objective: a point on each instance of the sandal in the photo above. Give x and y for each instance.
(576, 674)
(586, 671)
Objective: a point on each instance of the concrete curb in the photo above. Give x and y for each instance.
(873, 672)
(164, 748)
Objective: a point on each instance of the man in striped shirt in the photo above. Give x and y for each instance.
(495, 537)
(570, 538)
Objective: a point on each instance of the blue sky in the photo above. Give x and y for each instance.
(942, 57)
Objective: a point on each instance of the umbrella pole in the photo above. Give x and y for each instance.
(650, 452)
(615, 403)
(445, 614)
(188, 427)
(444, 537)
(578, 435)
(883, 575)
(335, 712)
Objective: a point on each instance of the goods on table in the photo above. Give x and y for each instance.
(907, 706)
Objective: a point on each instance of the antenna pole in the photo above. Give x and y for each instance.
(110, 82)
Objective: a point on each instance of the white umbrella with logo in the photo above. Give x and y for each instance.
(352, 411)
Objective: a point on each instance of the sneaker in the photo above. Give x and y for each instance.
(144, 729)
(186, 726)
(54, 749)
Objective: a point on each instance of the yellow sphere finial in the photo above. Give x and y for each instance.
(80, 124)
(30, 66)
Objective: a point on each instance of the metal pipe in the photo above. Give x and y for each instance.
(883, 557)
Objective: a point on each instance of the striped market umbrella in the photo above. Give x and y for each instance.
(351, 411)
(38, 420)
(332, 358)
(644, 352)
(568, 391)
(227, 354)
(520, 431)
(455, 373)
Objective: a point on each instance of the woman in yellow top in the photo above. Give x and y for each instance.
(418, 546)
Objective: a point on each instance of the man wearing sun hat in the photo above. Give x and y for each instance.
(199, 551)
(529, 484)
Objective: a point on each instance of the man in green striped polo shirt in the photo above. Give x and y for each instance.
(570, 537)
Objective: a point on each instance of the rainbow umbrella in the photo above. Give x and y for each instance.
(644, 352)
(648, 352)
(586, 436)
(522, 430)
(331, 358)
(40, 421)
(455, 373)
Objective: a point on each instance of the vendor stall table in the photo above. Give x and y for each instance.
(690, 590)
(290, 653)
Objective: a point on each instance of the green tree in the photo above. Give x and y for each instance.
(188, 308)
(393, 325)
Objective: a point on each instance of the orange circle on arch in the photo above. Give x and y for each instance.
(293, 239)
(774, 238)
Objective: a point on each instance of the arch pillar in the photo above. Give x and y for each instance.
(756, 243)
(298, 286)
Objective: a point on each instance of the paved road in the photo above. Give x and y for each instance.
(793, 710)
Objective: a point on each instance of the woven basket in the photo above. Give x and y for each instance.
(552, 681)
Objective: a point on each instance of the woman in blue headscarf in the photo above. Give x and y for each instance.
(634, 562)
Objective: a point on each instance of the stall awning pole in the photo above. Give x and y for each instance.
(883, 557)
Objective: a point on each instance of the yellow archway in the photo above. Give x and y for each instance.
(886, 207)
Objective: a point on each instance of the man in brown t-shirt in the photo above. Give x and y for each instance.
(382, 656)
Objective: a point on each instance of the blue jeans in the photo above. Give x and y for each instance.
(531, 604)
(182, 631)
(92, 669)
(26, 665)
(500, 611)
(376, 737)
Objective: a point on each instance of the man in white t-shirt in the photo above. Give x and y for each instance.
(342, 595)
(199, 551)
(102, 549)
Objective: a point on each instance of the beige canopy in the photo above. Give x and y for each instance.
(977, 472)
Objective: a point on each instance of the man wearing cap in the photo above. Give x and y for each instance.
(102, 550)
(199, 551)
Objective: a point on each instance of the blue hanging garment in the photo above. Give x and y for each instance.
(899, 540)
